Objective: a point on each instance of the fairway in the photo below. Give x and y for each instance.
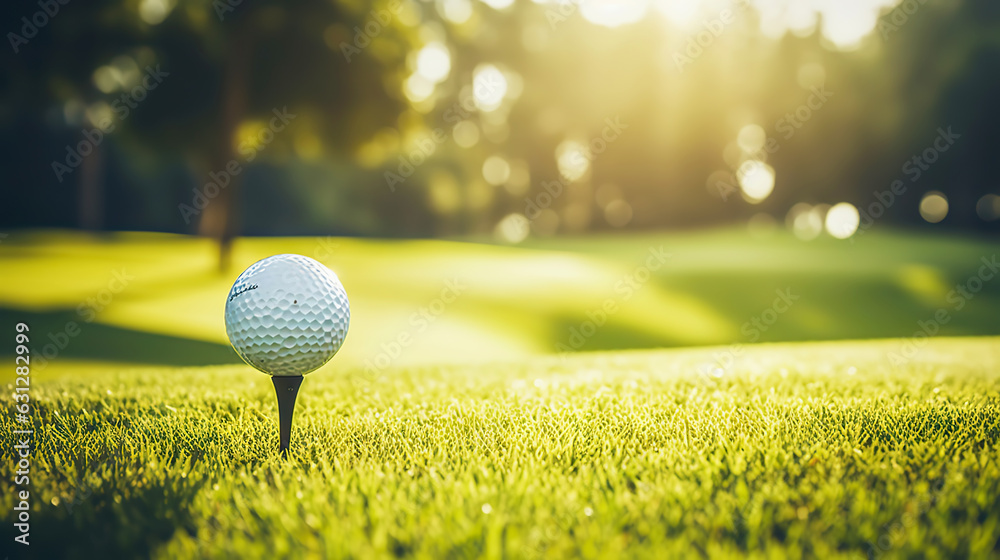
(801, 450)
(158, 299)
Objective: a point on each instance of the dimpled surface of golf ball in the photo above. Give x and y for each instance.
(287, 315)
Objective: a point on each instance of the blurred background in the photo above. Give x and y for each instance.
(520, 93)
(848, 146)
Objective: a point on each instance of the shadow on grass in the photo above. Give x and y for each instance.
(755, 306)
(838, 307)
(51, 339)
(100, 523)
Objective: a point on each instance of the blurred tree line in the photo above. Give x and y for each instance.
(305, 116)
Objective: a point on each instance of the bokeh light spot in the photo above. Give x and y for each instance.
(842, 220)
(988, 207)
(934, 206)
(805, 221)
(679, 12)
(489, 86)
(496, 170)
(455, 11)
(571, 160)
(751, 138)
(757, 180)
(613, 13)
(154, 12)
(846, 24)
(434, 62)
(101, 115)
(618, 213)
(466, 134)
(513, 228)
(498, 4)
(418, 88)
(107, 78)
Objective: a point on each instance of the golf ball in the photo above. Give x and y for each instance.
(287, 315)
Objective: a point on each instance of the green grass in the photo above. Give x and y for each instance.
(478, 440)
(518, 302)
(800, 450)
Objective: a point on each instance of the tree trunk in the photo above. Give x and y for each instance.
(90, 205)
(220, 219)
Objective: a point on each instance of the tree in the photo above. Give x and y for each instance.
(219, 70)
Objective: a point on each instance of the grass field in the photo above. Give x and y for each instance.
(803, 450)
(491, 433)
(511, 302)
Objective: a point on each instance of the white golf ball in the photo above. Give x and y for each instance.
(287, 315)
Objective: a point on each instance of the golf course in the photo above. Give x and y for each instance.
(704, 394)
(500, 279)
